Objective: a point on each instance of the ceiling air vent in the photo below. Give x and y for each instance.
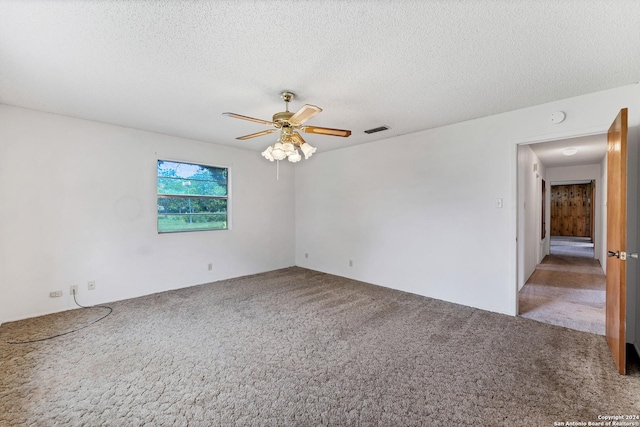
(378, 129)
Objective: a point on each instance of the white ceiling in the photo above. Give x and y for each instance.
(591, 150)
(174, 67)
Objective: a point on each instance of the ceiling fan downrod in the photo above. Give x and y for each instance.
(287, 96)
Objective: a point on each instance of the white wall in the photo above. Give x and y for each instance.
(531, 247)
(417, 212)
(587, 172)
(79, 203)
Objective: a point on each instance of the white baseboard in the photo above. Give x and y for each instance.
(44, 313)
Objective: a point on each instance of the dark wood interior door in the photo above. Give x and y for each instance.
(571, 210)
(616, 293)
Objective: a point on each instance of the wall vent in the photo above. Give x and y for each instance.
(378, 129)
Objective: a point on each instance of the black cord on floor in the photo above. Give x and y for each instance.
(69, 332)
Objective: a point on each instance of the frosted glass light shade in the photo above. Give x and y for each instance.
(267, 154)
(307, 150)
(288, 147)
(278, 151)
(295, 156)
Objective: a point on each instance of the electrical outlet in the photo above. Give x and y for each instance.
(55, 294)
(210, 267)
(73, 290)
(91, 285)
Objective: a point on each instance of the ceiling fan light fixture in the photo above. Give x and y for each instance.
(290, 124)
(295, 156)
(278, 152)
(288, 148)
(267, 154)
(307, 150)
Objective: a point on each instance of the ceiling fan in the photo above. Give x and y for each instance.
(290, 124)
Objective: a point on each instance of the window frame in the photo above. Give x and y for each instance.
(193, 196)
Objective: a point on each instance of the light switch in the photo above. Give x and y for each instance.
(498, 203)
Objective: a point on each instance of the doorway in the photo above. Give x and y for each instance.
(561, 223)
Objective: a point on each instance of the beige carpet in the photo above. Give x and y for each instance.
(566, 291)
(301, 348)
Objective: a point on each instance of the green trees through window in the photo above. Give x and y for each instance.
(191, 197)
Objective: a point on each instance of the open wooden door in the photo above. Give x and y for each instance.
(616, 293)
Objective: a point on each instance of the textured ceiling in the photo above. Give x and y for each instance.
(591, 150)
(174, 67)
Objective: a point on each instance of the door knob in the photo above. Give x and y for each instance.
(621, 255)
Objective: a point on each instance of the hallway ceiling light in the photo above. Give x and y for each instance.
(570, 151)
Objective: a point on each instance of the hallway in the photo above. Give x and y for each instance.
(566, 291)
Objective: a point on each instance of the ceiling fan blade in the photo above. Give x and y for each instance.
(326, 131)
(305, 113)
(251, 119)
(253, 135)
(297, 139)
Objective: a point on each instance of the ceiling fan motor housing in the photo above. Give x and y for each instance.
(282, 117)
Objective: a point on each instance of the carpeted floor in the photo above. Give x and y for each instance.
(302, 348)
(566, 291)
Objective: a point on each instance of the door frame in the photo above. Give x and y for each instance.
(600, 130)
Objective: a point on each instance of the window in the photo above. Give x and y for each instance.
(191, 197)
